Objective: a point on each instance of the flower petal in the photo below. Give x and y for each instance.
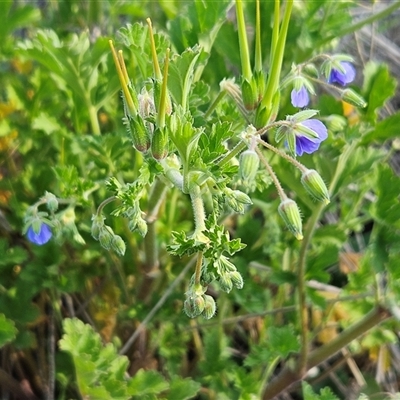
(318, 127)
(300, 98)
(40, 238)
(341, 78)
(305, 145)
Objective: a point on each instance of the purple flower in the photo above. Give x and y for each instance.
(42, 237)
(300, 98)
(306, 144)
(341, 78)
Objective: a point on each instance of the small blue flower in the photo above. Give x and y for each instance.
(337, 76)
(300, 98)
(42, 237)
(306, 144)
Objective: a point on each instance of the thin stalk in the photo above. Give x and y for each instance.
(275, 30)
(104, 203)
(199, 263)
(214, 104)
(94, 120)
(164, 94)
(198, 208)
(272, 174)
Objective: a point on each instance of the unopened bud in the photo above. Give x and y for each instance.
(198, 304)
(51, 201)
(118, 245)
(248, 165)
(236, 279)
(105, 237)
(159, 144)
(188, 308)
(336, 123)
(141, 227)
(242, 197)
(209, 307)
(249, 94)
(207, 278)
(225, 282)
(290, 213)
(314, 185)
(97, 224)
(350, 96)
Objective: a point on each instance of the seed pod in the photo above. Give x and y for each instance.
(248, 165)
(159, 144)
(290, 213)
(314, 185)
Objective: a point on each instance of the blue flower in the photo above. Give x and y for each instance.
(42, 237)
(342, 78)
(300, 98)
(307, 144)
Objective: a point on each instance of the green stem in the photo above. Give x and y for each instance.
(273, 80)
(198, 208)
(94, 121)
(199, 262)
(104, 203)
(233, 153)
(258, 52)
(243, 44)
(275, 31)
(214, 104)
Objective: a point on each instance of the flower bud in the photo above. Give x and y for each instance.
(206, 278)
(36, 225)
(106, 237)
(242, 197)
(139, 134)
(336, 123)
(225, 282)
(290, 213)
(51, 201)
(350, 96)
(141, 227)
(249, 94)
(314, 185)
(198, 304)
(159, 144)
(97, 224)
(209, 307)
(248, 165)
(118, 245)
(188, 308)
(236, 279)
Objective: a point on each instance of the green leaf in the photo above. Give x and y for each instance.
(11, 256)
(325, 393)
(8, 331)
(383, 130)
(46, 123)
(378, 87)
(147, 382)
(182, 389)
(180, 75)
(283, 340)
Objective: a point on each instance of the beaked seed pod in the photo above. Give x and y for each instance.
(290, 213)
(159, 144)
(248, 165)
(140, 135)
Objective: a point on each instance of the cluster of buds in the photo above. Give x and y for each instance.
(198, 303)
(106, 236)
